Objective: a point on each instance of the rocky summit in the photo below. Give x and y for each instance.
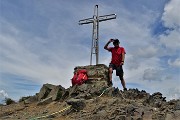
(93, 100)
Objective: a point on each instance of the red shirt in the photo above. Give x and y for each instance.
(116, 54)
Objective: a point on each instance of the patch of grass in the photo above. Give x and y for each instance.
(9, 101)
(59, 95)
(1, 104)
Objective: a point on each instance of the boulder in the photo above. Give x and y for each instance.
(77, 104)
(31, 99)
(51, 90)
(177, 105)
(45, 101)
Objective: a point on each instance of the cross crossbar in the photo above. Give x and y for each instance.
(101, 18)
(95, 35)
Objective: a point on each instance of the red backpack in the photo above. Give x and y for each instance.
(79, 77)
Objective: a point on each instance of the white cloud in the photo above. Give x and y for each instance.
(172, 40)
(152, 74)
(171, 18)
(171, 15)
(3, 94)
(147, 52)
(20, 57)
(175, 63)
(173, 94)
(132, 62)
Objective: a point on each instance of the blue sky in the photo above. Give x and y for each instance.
(41, 42)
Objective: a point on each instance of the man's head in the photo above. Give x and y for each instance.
(116, 42)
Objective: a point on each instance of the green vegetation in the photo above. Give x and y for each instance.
(9, 101)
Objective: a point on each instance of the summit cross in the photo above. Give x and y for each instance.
(95, 35)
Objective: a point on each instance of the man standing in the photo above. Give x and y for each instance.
(118, 57)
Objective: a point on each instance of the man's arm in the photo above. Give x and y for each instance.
(123, 58)
(106, 46)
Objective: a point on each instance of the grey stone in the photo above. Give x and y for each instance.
(120, 117)
(177, 105)
(45, 101)
(31, 99)
(77, 104)
(102, 114)
(51, 90)
(44, 92)
(57, 92)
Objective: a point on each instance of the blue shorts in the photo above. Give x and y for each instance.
(119, 69)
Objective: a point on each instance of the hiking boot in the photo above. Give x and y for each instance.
(125, 89)
(116, 90)
(110, 84)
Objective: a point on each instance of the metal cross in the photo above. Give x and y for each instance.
(95, 35)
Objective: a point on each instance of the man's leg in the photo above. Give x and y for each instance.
(120, 73)
(123, 82)
(110, 74)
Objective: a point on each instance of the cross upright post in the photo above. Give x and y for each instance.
(95, 35)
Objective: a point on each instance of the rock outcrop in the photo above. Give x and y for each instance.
(94, 100)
